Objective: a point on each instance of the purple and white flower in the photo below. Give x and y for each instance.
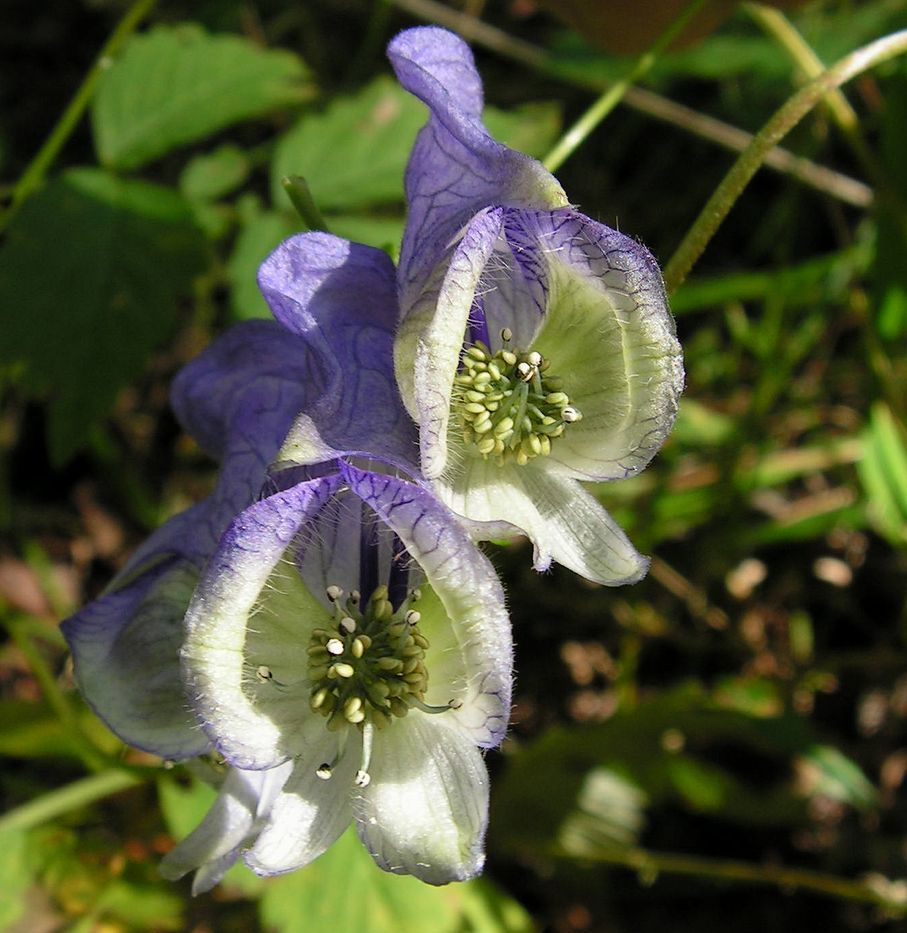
(535, 347)
(348, 630)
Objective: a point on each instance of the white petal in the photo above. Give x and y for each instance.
(430, 339)
(310, 813)
(610, 337)
(245, 656)
(563, 521)
(425, 811)
(469, 591)
(214, 845)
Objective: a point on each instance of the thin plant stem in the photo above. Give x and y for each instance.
(613, 95)
(787, 117)
(776, 25)
(892, 896)
(64, 799)
(33, 176)
(299, 192)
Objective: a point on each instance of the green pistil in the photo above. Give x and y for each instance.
(370, 667)
(507, 406)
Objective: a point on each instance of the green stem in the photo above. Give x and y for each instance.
(33, 176)
(650, 864)
(79, 740)
(775, 24)
(57, 802)
(568, 143)
(787, 117)
(301, 195)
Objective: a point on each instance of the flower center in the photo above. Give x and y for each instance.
(507, 405)
(370, 666)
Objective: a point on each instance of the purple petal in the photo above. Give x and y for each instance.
(238, 399)
(125, 648)
(221, 687)
(341, 297)
(456, 169)
(246, 360)
(468, 588)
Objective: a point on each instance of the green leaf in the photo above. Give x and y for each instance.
(307, 901)
(33, 730)
(832, 774)
(260, 235)
(609, 814)
(374, 131)
(15, 876)
(142, 906)
(212, 175)
(90, 274)
(353, 154)
(662, 752)
(175, 86)
(883, 473)
(889, 269)
(532, 128)
(381, 232)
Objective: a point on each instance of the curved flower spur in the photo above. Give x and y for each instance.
(348, 636)
(535, 346)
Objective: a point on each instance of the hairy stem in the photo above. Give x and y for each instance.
(874, 890)
(787, 117)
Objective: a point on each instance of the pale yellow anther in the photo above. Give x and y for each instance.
(334, 646)
(343, 669)
(319, 696)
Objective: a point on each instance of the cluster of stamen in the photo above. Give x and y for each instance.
(370, 667)
(507, 405)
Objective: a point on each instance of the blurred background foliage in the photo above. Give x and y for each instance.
(725, 739)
